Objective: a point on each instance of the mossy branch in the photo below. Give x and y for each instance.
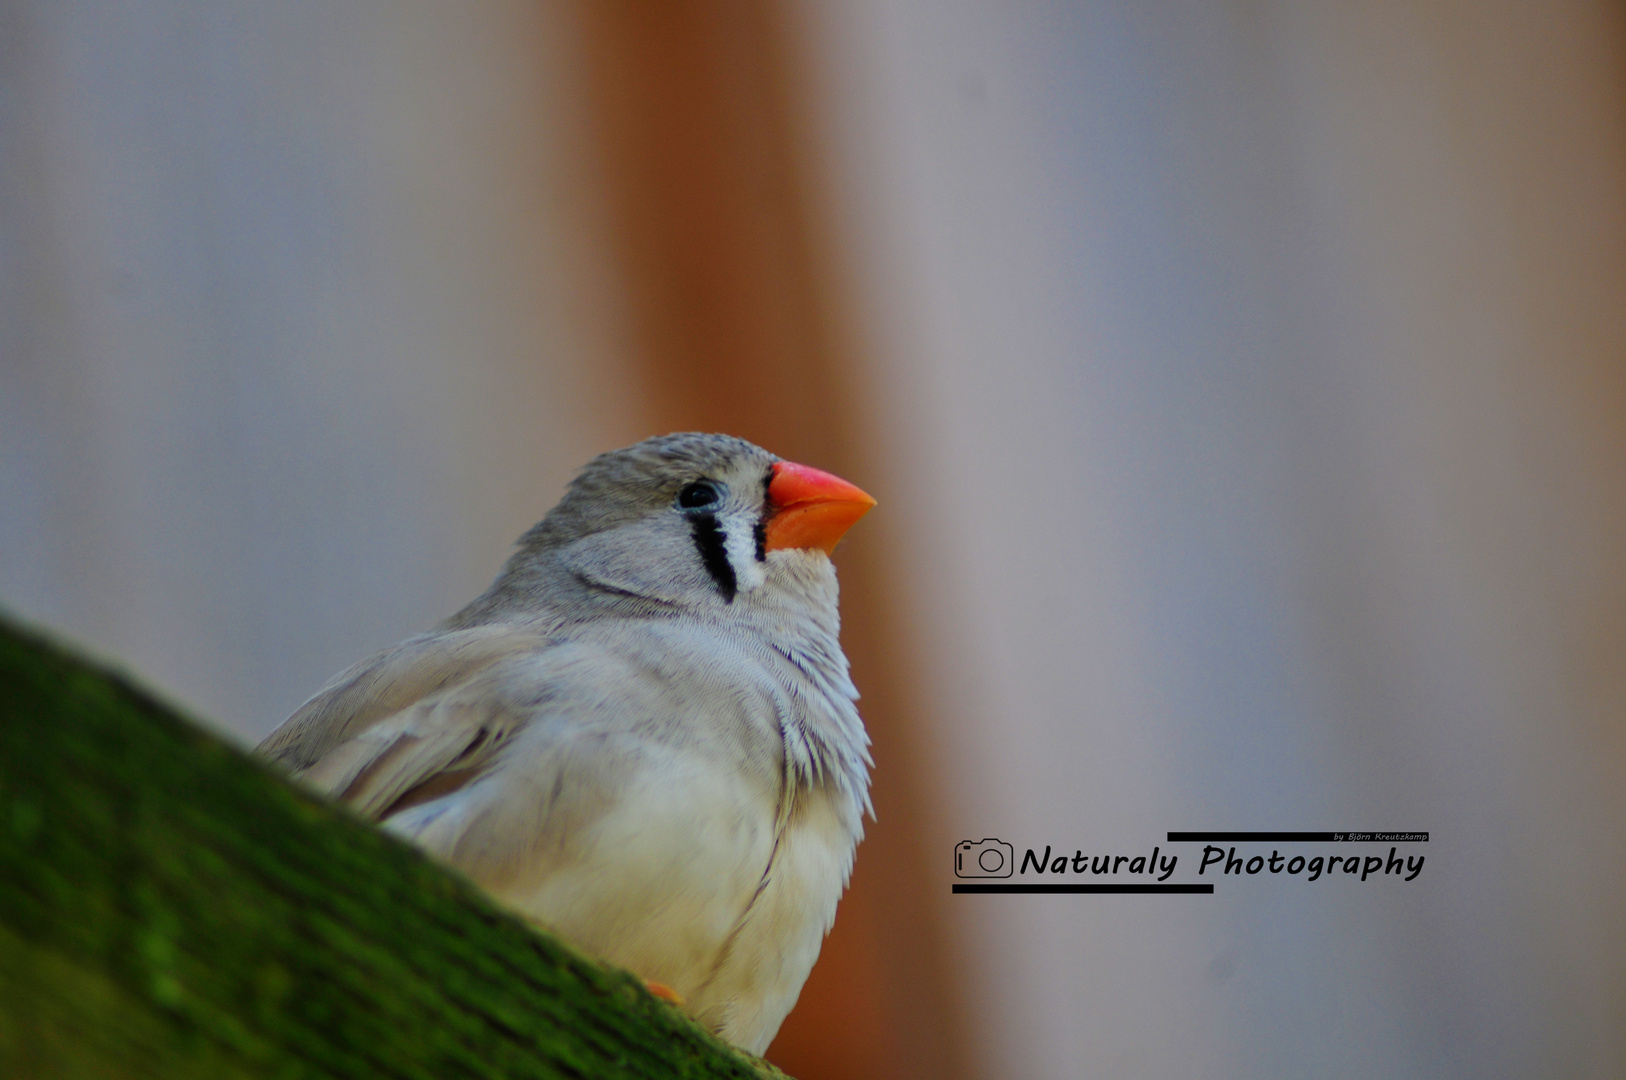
(170, 907)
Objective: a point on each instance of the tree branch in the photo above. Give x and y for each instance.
(171, 907)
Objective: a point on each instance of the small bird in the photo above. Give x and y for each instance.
(643, 735)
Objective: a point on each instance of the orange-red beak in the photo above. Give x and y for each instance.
(811, 508)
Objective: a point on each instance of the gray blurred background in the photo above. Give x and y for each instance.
(1244, 386)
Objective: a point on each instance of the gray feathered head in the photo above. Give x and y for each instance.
(686, 521)
(624, 485)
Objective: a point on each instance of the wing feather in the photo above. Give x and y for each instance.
(399, 719)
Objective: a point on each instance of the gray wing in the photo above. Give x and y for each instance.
(403, 722)
(437, 713)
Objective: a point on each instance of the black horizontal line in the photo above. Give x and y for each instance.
(1058, 887)
(1176, 837)
(1369, 836)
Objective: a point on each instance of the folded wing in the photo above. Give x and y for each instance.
(399, 724)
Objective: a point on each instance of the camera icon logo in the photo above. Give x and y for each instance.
(984, 858)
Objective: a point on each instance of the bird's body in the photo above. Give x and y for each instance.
(643, 735)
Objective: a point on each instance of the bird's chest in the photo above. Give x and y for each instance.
(760, 970)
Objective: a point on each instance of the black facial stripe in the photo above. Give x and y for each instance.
(709, 540)
(760, 529)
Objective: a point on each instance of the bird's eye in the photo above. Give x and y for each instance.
(698, 494)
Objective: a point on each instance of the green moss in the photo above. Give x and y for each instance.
(170, 907)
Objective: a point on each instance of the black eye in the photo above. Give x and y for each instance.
(698, 494)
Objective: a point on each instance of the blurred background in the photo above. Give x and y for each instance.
(1243, 385)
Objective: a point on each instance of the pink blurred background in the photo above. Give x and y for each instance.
(1244, 388)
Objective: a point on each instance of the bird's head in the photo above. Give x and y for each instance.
(688, 520)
